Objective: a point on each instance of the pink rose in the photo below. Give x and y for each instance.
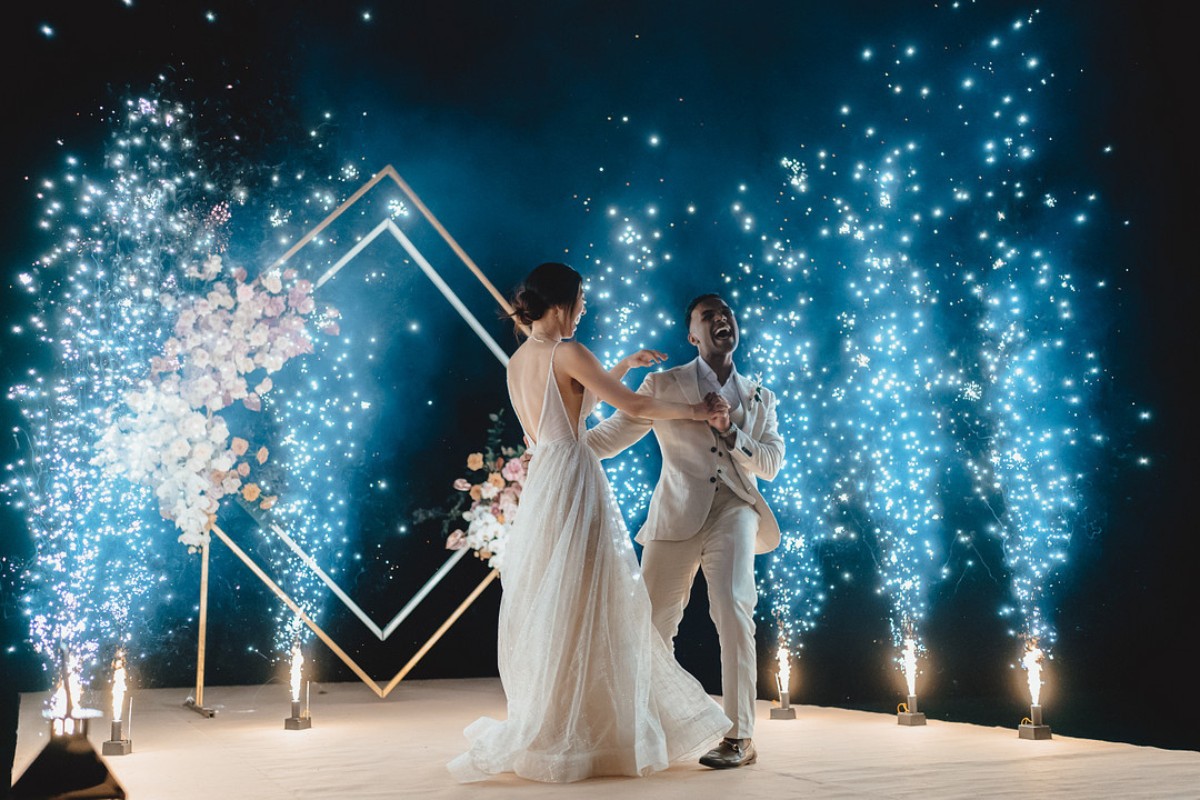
(514, 470)
(456, 541)
(462, 484)
(303, 303)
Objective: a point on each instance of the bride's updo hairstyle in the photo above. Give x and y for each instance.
(548, 286)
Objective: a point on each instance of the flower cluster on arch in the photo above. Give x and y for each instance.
(494, 492)
(169, 434)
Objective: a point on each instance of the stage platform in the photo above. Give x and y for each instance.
(362, 747)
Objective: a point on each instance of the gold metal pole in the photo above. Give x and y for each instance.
(262, 576)
(390, 172)
(197, 703)
(462, 254)
(366, 187)
(332, 645)
(203, 624)
(458, 612)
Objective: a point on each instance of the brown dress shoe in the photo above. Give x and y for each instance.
(730, 753)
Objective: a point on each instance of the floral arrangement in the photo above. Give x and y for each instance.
(225, 345)
(487, 500)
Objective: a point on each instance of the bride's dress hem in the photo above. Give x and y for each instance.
(471, 766)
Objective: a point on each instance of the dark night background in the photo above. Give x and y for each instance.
(493, 114)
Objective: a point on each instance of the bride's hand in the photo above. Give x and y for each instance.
(643, 358)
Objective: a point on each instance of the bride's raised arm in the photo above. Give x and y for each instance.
(582, 365)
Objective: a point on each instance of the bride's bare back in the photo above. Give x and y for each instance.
(528, 371)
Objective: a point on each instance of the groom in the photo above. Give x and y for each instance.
(706, 511)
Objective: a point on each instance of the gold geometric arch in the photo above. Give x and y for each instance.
(197, 703)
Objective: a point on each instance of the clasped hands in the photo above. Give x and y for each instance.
(718, 409)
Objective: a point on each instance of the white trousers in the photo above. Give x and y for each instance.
(724, 549)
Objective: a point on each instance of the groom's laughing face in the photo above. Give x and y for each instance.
(712, 328)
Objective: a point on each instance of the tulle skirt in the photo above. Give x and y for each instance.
(592, 689)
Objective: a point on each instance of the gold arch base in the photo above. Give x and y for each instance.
(385, 690)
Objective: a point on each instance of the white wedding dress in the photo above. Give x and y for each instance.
(591, 687)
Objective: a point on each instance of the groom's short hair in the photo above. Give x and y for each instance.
(687, 315)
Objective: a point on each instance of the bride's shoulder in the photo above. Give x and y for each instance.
(573, 349)
(522, 351)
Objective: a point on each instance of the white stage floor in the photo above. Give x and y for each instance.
(363, 747)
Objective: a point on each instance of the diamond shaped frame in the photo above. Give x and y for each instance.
(488, 341)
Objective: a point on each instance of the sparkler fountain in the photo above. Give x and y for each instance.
(783, 679)
(1033, 727)
(97, 314)
(120, 744)
(908, 713)
(301, 718)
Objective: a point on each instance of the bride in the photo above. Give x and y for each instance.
(592, 689)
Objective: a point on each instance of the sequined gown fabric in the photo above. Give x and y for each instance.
(592, 689)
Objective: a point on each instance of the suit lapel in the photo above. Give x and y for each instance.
(688, 379)
(750, 406)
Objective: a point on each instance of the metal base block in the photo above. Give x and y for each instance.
(201, 710)
(297, 723)
(1033, 731)
(117, 747)
(910, 718)
(783, 713)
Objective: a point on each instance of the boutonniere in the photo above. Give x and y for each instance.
(756, 386)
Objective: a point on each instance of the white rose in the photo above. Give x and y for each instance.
(192, 426)
(202, 451)
(178, 449)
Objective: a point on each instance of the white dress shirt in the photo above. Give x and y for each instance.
(709, 383)
(707, 380)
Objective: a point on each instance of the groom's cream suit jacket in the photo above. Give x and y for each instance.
(693, 460)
